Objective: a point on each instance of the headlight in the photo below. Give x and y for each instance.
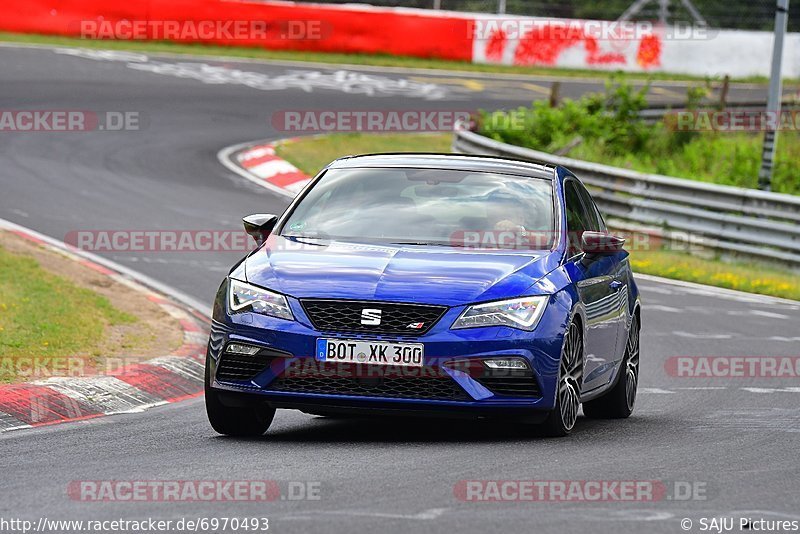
(244, 297)
(521, 313)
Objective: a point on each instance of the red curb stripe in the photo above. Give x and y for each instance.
(282, 180)
(250, 152)
(190, 349)
(190, 326)
(250, 163)
(39, 405)
(187, 397)
(256, 148)
(96, 267)
(157, 299)
(71, 420)
(29, 237)
(197, 315)
(160, 382)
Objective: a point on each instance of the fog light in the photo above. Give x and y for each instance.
(505, 363)
(238, 348)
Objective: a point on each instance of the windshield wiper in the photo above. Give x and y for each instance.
(304, 236)
(426, 244)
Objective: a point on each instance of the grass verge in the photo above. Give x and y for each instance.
(60, 318)
(312, 153)
(374, 60)
(741, 276)
(45, 316)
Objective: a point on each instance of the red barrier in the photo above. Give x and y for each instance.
(340, 29)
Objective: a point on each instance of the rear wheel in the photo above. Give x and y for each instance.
(248, 420)
(561, 420)
(618, 403)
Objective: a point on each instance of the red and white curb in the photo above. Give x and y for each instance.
(258, 163)
(135, 387)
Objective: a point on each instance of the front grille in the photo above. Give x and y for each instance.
(511, 384)
(241, 367)
(395, 318)
(354, 380)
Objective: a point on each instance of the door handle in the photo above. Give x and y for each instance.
(615, 285)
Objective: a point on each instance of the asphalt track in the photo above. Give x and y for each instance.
(735, 438)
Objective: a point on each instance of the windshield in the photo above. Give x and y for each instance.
(427, 207)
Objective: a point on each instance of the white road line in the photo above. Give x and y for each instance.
(771, 315)
(784, 339)
(709, 335)
(425, 515)
(668, 309)
(772, 390)
(704, 388)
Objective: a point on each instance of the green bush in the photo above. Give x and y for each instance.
(607, 128)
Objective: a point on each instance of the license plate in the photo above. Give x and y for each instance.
(370, 352)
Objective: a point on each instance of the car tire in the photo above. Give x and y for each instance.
(619, 402)
(246, 421)
(561, 420)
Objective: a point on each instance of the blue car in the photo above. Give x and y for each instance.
(433, 285)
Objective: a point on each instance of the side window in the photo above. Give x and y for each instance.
(596, 223)
(578, 220)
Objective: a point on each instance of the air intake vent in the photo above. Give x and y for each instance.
(358, 381)
(511, 383)
(241, 367)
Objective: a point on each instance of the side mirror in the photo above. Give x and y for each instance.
(259, 225)
(600, 244)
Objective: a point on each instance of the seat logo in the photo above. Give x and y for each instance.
(371, 316)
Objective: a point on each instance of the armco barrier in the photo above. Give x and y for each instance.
(733, 220)
(470, 37)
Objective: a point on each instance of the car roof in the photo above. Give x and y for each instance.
(446, 161)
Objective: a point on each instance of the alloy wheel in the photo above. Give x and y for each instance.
(632, 364)
(571, 377)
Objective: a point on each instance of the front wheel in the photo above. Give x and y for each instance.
(619, 401)
(250, 420)
(561, 420)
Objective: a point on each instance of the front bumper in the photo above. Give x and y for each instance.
(445, 385)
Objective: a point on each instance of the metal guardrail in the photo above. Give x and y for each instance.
(742, 222)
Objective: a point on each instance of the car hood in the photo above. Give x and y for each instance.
(424, 274)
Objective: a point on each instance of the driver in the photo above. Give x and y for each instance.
(506, 213)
